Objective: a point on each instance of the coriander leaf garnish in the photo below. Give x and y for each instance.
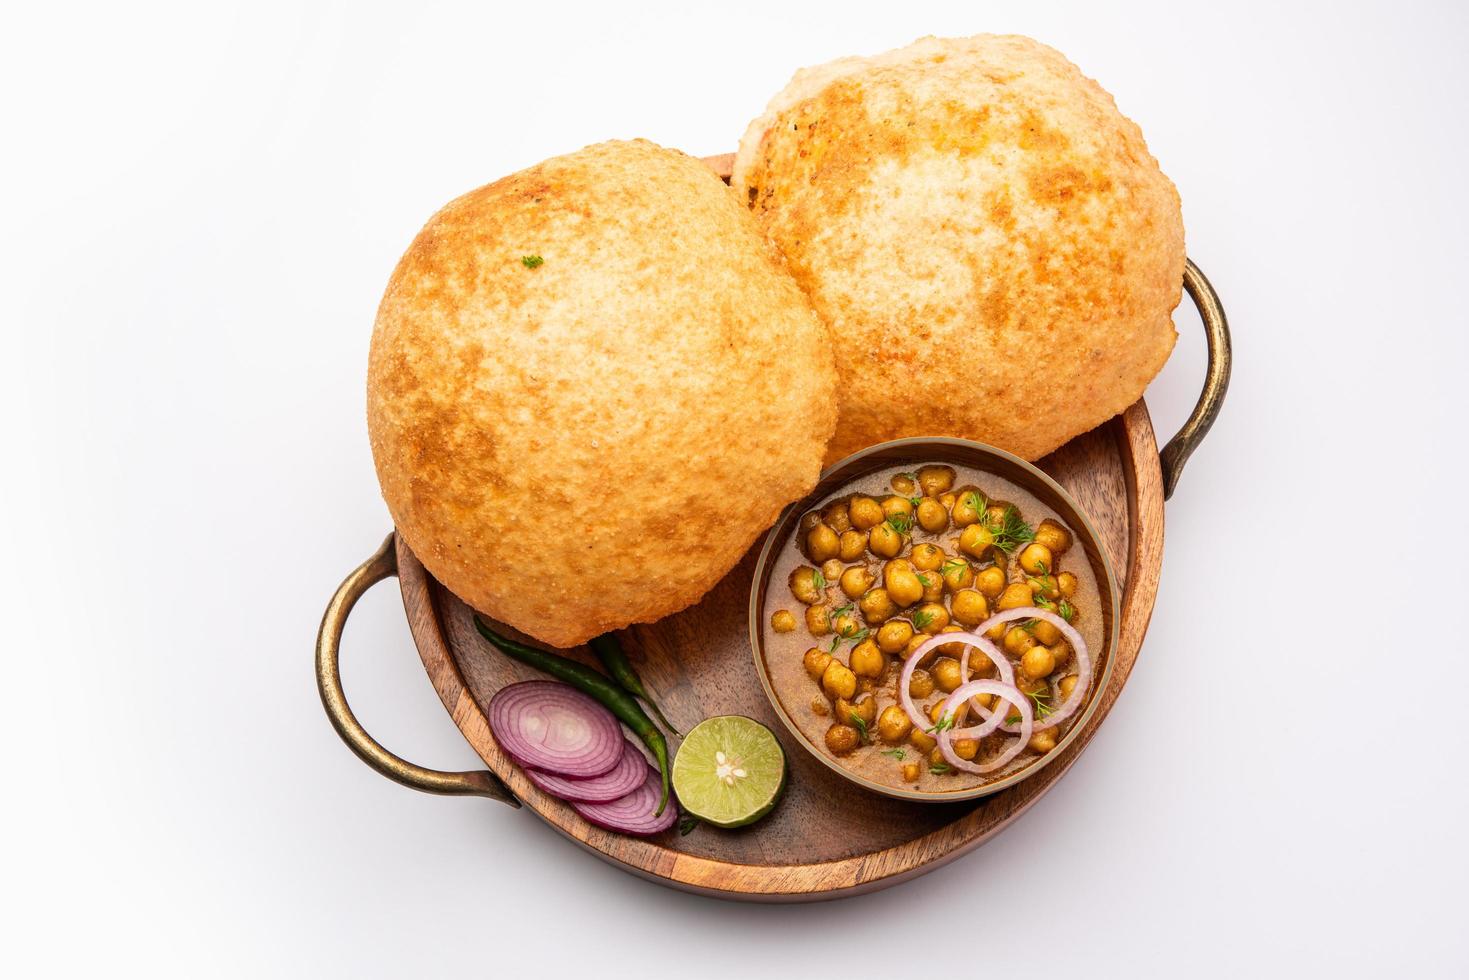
(938, 767)
(944, 723)
(922, 618)
(841, 610)
(954, 565)
(896, 753)
(1066, 611)
(860, 725)
(531, 261)
(1009, 530)
(976, 501)
(899, 522)
(817, 579)
(686, 826)
(914, 502)
(1042, 701)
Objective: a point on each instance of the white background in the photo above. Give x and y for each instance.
(201, 205)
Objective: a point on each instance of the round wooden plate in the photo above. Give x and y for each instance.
(827, 838)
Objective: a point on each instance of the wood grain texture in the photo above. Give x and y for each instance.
(827, 838)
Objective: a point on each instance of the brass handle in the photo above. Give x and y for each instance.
(383, 564)
(1216, 380)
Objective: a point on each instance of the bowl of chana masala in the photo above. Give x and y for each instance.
(934, 621)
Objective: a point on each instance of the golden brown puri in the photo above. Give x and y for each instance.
(594, 440)
(993, 247)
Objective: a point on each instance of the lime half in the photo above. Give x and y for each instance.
(729, 771)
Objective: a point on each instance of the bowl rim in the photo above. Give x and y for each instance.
(780, 532)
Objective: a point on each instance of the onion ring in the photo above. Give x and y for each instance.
(972, 640)
(964, 692)
(1083, 664)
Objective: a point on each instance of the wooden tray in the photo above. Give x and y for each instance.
(827, 838)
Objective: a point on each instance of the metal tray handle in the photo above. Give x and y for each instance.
(1216, 379)
(383, 564)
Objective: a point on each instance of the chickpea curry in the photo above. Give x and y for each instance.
(899, 558)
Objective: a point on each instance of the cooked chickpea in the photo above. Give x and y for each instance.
(933, 586)
(950, 649)
(946, 673)
(903, 483)
(996, 631)
(815, 662)
(1038, 662)
(809, 520)
(1067, 685)
(866, 685)
(1045, 585)
(894, 635)
(842, 739)
(883, 541)
(1066, 582)
(966, 748)
(1036, 559)
(970, 607)
(851, 545)
(867, 660)
(836, 517)
(990, 581)
(855, 581)
(822, 543)
(958, 574)
(832, 570)
(803, 585)
(1043, 741)
(1053, 536)
(1015, 595)
(936, 759)
(934, 480)
(1017, 640)
(926, 557)
(910, 772)
(837, 681)
(783, 621)
(936, 712)
(917, 641)
(968, 509)
(820, 707)
(948, 500)
(995, 512)
(893, 725)
(877, 606)
(932, 516)
(980, 665)
(864, 709)
(975, 540)
(931, 617)
(921, 740)
(865, 513)
(899, 507)
(920, 685)
(1062, 651)
(845, 624)
(902, 583)
(1045, 633)
(818, 620)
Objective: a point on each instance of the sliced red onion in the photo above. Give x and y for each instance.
(964, 692)
(1083, 664)
(553, 727)
(624, 777)
(970, 640)
(633, 813)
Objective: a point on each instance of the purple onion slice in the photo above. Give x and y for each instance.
(633, 813)
(625, 777)
(554, 727)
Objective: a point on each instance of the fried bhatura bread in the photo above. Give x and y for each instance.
(592, 386)
(993, 247)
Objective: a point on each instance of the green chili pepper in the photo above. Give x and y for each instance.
(609, 651)
(585, 679)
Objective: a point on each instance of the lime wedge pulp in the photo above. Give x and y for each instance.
(729, 771)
